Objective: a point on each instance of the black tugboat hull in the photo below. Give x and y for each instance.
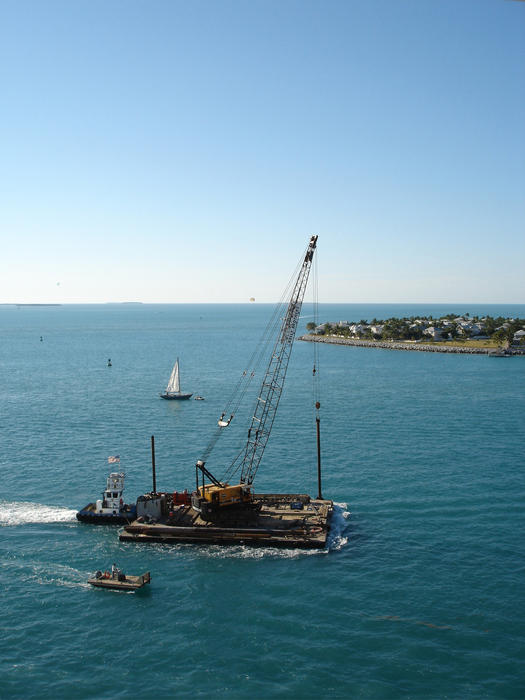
(123, 517)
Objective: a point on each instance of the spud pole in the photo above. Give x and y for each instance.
(153, 464)
(318, 423)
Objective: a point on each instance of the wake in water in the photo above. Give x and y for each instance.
(46, 573)
(337, 539)
(20, 513)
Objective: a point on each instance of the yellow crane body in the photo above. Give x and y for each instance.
(225, 495)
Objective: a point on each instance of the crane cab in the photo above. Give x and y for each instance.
(210, 498)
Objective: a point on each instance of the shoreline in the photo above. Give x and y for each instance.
(400, 345)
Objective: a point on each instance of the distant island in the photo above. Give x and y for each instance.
(449, 333)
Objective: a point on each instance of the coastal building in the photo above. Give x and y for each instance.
(464, 327)
(434, 332)
(477, 328)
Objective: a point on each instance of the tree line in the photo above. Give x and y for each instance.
(497, 328)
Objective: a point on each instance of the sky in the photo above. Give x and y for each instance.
(167, 151)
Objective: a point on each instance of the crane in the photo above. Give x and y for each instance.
(209, 498)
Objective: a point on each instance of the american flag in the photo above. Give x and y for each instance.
(114, 459)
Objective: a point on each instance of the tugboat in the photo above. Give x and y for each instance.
(110, 509)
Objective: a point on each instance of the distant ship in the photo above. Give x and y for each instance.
(173, 389)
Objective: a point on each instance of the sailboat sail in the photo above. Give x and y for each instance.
(174, 382)
(173, 389)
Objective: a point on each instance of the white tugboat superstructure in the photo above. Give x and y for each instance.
(112, 501)
(111, 507)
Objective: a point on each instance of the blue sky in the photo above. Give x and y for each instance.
(166, 151)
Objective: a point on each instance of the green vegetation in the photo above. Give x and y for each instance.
(449, 330)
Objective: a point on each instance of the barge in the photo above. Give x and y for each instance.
(274, 520)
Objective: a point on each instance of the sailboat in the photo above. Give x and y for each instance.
(173, 389)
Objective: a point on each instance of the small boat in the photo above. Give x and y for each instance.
(109, 362)
(500, 353)
(110, 509)
(118, 581)
(173, 389)
(199, 398)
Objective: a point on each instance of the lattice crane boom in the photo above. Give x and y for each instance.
(273, 382)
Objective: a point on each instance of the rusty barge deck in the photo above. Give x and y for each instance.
(276, 520)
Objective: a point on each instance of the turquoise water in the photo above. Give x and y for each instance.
(420, 593)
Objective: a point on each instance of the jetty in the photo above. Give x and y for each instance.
(400, 345)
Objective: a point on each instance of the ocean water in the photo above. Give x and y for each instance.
(420, 592)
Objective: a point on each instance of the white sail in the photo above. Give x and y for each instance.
(174, 382)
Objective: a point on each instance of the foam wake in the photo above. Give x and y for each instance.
(21, 513)
(336, 539)
(48, 573)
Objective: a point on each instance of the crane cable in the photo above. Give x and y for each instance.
(238, 462)
(254, 363)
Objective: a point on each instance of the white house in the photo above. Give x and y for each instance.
(464, 327)
(434, 333)
(477, 328)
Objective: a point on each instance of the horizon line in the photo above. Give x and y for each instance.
(250, 303)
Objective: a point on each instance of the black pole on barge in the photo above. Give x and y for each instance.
(153, 464)
(318, 423)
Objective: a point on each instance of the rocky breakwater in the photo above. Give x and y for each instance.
(399, 345)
